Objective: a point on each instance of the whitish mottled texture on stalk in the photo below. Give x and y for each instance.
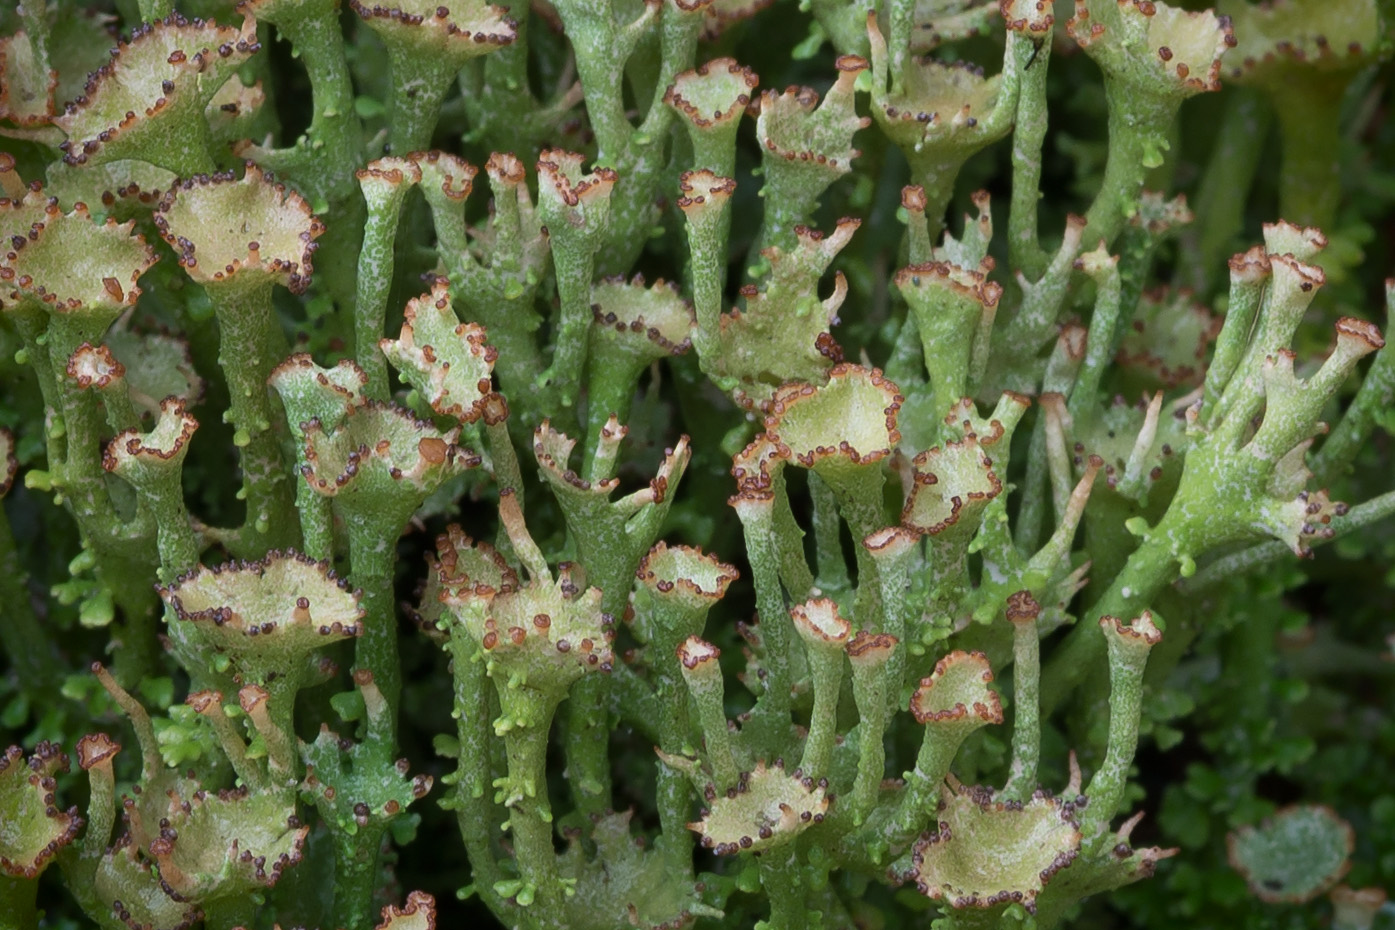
(575, 208)
(825, 634)
(379, 465)
(1153, 57)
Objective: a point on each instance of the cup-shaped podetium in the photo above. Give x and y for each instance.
(1152, 48)
(677, 586)
(539, 636)
(955, 700)
(213, 847)
(766, 808)
(447, 361)
(240, 232)
(264, 622)
(711, 99)
(446, 35)
(153, 463)
(314, 394)
(570, 197)
(381, 459)
(951, 487)
(633, 325)
(954, 309)
(35, 827)
(148, 102)
(806, 145)
(148, 459)
(128, 882)
(418, 913)
(81, 273)
(842, 431)
(937, 113)
(990, 854)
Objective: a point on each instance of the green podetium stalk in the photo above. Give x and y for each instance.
(1239, 483)
(954, 308)
(951, 703)
(676, 588)
(575, 211)
(240, 239)
(1128, 656)
(148, 103)
(825, 635)
(359, 790)
(704, 201)
(427, 46)
(611, 537)
(1153, 57)
(386, 183)
(35, 827)
(874, 683)
(537, 640)
(64, 279)
(323, 162)
(896, 551)
(312, 394)
(702, 674)
(379, 465)
(805, 146)
(1022, 612)
(477, 568)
